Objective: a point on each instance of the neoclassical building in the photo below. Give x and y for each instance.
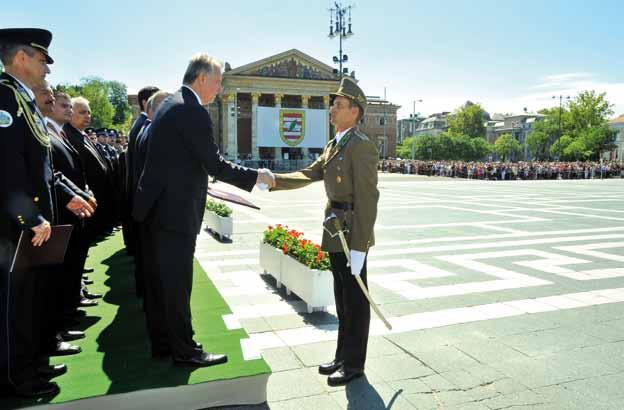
(277, 108)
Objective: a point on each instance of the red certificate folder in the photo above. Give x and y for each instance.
(49, 253)
(230, 197)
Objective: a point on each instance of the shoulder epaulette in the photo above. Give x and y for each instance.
(360, 135)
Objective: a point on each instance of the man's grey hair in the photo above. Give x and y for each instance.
(156, 99)
(79, 100)
(8, 51)
(200, 63)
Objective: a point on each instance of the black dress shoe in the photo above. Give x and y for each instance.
(204, 359)
(87, 281)
(69, 335)
(51, 371)
(36, 388)
(84, 302)
(88, 270)
(90, 295)
(198, 346)
(329, 368)
(343, 376)
(65, 349)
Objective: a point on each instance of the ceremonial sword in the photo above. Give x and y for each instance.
(345, 249)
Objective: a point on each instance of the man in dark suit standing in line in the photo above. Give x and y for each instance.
(170, 200)
(130, 231)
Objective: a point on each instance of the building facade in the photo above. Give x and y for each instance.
(617, 154)
(518, 125)
(435, 124)
(277, 109)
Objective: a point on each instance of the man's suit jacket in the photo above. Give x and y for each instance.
(95, 166)
(67, 161)
(181, 154)
(130, 153)
(140, 152)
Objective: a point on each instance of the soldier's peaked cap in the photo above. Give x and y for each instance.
(37, 38)
(349, 89)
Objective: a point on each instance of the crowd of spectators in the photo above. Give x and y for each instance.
(530, 170)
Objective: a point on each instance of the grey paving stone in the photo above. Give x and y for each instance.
(380, 346)
(550, 340)
(282, 322)
(362, 395)
(314, 354)
(444, 358)
(292, 384)
(488, 351)
(525, 399)
(319, 402)
(281, 358)
(397, 367)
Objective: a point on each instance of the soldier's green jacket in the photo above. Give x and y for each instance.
(349, 171)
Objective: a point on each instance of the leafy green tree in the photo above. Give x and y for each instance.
(555, 151)
(118, 96)
(588, 110)
(507, 146)
(480, 149)
(404, 150)
(468, 120)
(576, 150)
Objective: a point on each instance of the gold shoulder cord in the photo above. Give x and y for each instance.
(42, 137)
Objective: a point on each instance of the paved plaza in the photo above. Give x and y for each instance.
(502, 295)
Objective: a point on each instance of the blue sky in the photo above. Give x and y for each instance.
(504, 55)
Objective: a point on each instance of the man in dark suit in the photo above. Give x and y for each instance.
(95, 166)
(170, 200)
(129, 228)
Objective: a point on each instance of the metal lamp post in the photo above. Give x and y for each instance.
(340, 26)
(414, 128)
(559, 133)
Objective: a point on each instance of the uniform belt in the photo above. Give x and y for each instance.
(345, 206)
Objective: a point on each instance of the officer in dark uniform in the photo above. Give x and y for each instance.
(27, 203)
(348, 167)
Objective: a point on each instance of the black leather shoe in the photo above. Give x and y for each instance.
(84, 302)
(65, 349)
(36, 388)
(204, 359)
(343, 376)
(90, 295)
(88, 270)
(87, 281)
(198, 346)
(69, 335)
(329, 368)
(51, 371)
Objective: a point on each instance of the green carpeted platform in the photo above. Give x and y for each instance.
(116, 353)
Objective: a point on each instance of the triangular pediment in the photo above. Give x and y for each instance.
(289, 64)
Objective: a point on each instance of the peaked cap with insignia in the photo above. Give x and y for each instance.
(349, 89)
(37, 38)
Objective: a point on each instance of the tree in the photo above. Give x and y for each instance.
(588, 110)
(507, 146)
(404, 150)
(480, 149)
(118, 96)
(468, 120)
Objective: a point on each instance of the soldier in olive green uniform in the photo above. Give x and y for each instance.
(348, 167)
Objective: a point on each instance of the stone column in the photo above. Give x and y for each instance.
(304, 104)
(278, 104)
(255, 152)
(230, 124)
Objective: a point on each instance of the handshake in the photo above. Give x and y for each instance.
(265, 180)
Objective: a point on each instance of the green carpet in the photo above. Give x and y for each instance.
(115, 355)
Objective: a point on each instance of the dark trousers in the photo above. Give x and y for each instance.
(139, 261)
(168, 285)
(70, 277)
(353, 313)
(17, 333)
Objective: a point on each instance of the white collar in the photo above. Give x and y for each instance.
(28, 90)
(57, 128)
(341, 134)
(196, 95)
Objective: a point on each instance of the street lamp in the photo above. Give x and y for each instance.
(341, 29)
(414, 128)
(561, 97)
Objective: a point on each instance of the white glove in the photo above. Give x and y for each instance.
(357, 262)
(265, 179)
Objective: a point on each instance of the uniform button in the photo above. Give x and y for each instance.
(36, 199)
(338, 179)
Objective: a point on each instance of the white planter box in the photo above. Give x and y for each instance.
(315, 287)
(270, 261)
(220, 225)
